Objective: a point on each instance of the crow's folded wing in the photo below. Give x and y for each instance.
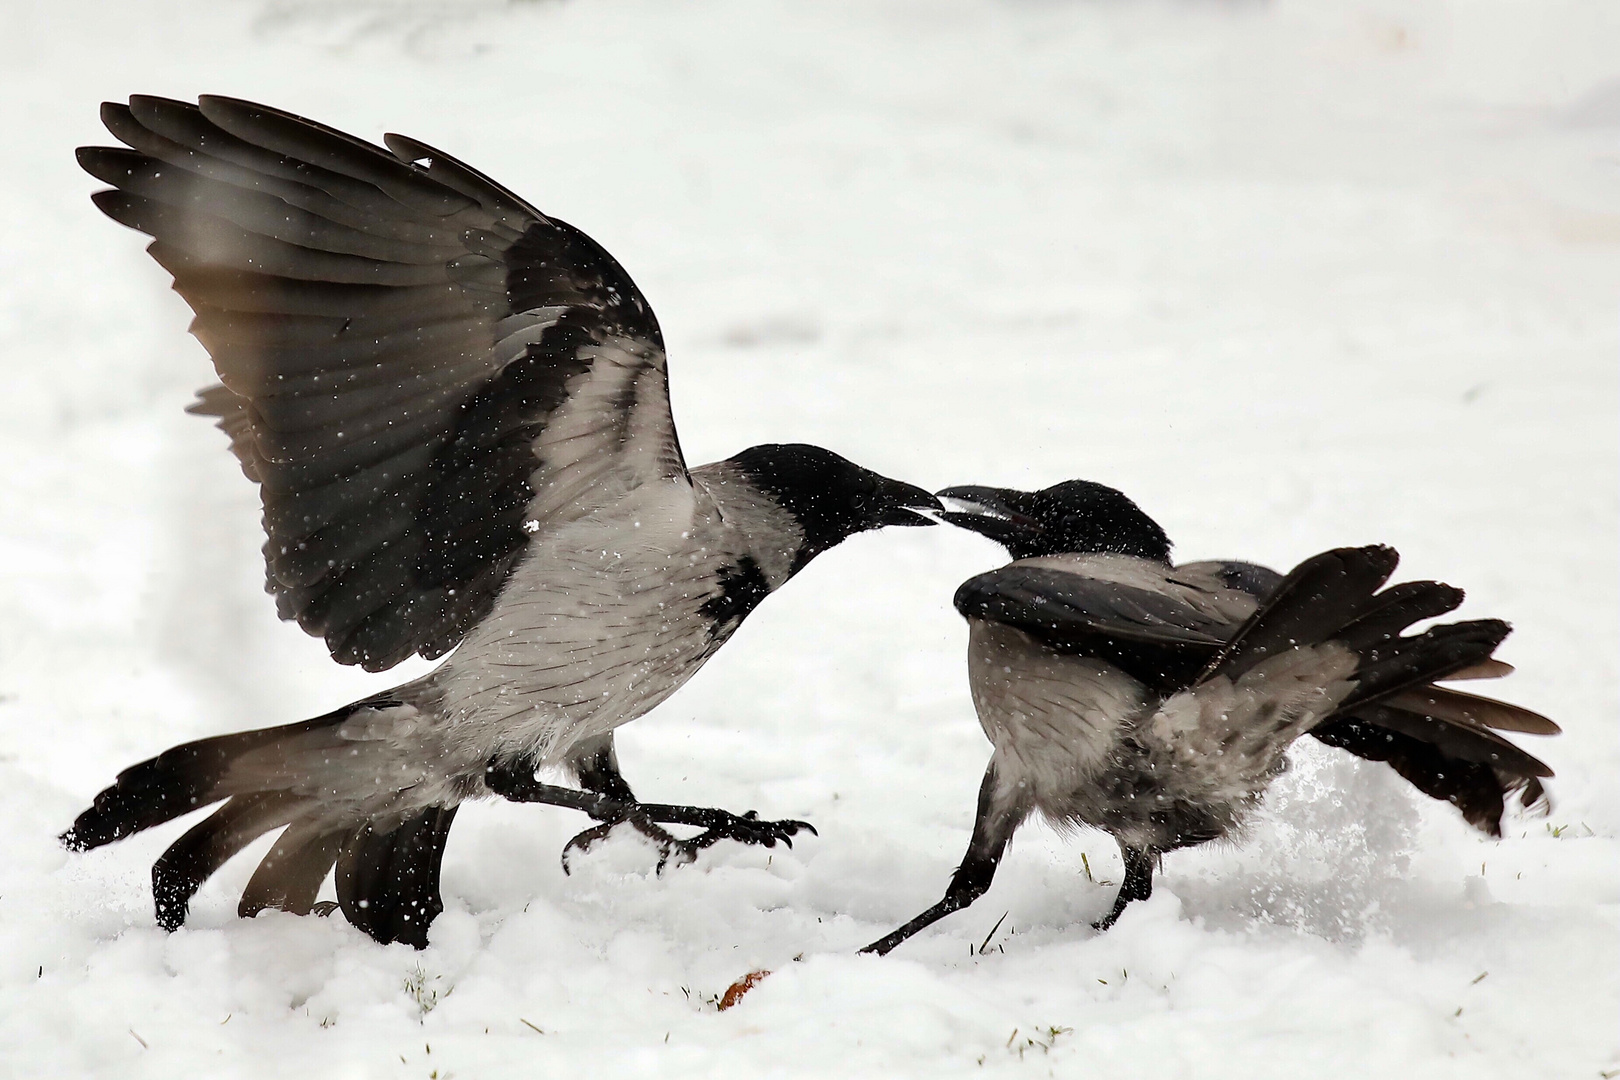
(1256, 580)
(1130, 612)
(420, 370)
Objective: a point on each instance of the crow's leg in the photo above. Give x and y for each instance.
(515, 780)
(1138, 883)
(997, 817)
(596, 764)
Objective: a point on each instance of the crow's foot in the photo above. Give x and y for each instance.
(717, 825)
(669, 846)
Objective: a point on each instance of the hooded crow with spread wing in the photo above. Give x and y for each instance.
(1156, 702)
(457, 412)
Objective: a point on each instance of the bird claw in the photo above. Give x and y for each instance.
(1112, 917)
(669, 846)
(748, 828)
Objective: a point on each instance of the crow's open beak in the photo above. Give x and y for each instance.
(907, 504)
(989, 512)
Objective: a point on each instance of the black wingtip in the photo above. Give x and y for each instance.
(1388, 668)
(1379, 558)
(1445, 597)
(1357, 566)
(152, 102)
(112, 112)
(1494, 631)
(109, 164)
(1318, 599)
(119, 206)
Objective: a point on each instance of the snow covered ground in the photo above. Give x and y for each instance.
(1294, 275)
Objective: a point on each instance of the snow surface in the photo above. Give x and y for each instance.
(1294, 275)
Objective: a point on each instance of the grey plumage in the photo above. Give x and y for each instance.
(456, 409)
(1157, 702)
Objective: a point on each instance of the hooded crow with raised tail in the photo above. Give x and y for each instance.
(1156, 702)
(457, 412)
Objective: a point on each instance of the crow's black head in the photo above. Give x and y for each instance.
(831, 497)
(1074, 516)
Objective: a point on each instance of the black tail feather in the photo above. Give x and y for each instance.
(1396, 608)
(163, 788)
(388, 876)
(388, 882)
(1439, 740)
(1399, 663)
(191, 860)
(1318, 598)
(178, 781)
(1472, 710)
(1475, 745)
(289, 878)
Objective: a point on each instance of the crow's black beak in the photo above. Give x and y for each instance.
(906, 504)
(989, 512)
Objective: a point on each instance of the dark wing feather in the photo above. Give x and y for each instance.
(395, 334)
(1247, 577)
(1157, 635)
(1311, 604)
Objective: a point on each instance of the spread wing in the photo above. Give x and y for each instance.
(419, 369)
(1129, 612)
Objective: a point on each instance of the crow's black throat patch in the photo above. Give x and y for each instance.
(742, 587)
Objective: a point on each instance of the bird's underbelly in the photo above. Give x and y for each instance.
(1055, 720)
(1065, 731)
(538, 703)
(1146, 808)
(583, 639)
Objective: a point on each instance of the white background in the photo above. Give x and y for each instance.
(1294, 275)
